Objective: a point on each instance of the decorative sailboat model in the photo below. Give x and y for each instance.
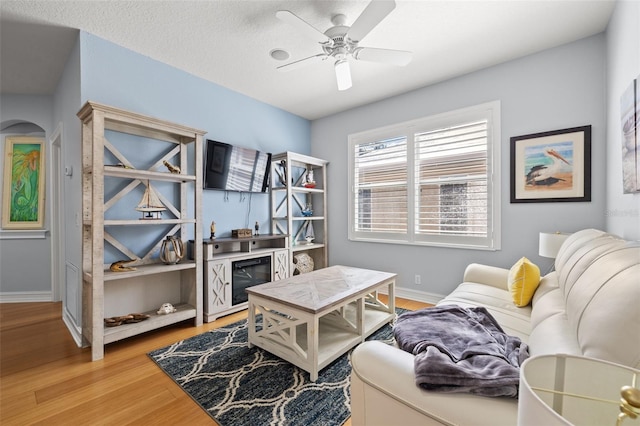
(309, 236)
(150, 204)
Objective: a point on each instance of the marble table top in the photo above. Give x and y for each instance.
(322, 288)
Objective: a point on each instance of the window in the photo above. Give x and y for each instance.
(428, 181)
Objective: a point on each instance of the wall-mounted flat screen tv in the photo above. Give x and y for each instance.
(233, 168)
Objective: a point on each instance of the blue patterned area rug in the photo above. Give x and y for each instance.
(241, 386)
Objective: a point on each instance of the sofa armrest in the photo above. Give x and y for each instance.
(384, 391)
(488, 275)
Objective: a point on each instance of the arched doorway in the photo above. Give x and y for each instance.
(35, 245)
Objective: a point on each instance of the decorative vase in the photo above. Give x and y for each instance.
(172, 250)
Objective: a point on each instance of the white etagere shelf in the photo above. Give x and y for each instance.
(290, 196)
(187, 275)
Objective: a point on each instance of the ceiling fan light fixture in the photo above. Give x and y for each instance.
(343, 74)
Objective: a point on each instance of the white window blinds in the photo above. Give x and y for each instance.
(381, 186)
(428, 181)
(451, 178)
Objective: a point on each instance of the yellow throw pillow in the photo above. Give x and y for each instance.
(524, 278)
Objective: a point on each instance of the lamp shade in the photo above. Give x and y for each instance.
(571, 390)
(550, 243)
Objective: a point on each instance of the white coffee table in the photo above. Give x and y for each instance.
(312, 319)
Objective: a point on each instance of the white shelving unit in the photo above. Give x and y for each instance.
(289, 197)
(98, 231)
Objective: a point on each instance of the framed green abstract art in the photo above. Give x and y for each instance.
(23, 183)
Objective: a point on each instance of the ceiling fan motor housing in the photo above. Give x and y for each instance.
(340, 42)
(340, 46)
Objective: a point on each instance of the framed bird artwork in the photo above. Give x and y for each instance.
(551, 166)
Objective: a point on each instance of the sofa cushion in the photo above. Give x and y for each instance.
(546, 305)
(513, 320)
(553, 335)
(598, 277)
(524, 277)
(547, 283)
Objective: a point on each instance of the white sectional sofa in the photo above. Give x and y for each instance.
(588, 306)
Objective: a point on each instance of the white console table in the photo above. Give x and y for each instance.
(219, 253)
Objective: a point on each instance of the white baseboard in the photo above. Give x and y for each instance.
(420, 296)
(74, 330)
(26, 296)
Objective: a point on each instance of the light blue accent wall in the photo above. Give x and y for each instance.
(119, 77)
(101, 71)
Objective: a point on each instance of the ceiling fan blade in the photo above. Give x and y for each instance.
(371, 16)
(387, 56)
(302, 62)
(302, 26)
(343, 74)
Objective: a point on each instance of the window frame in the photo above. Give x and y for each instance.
(408, 129)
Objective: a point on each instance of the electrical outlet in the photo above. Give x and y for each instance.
(418, 280)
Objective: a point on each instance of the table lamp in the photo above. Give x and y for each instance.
(573, 390)
(549, 245)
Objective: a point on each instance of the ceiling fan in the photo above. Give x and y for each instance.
(341, 42)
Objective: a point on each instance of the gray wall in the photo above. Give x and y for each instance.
(554, 89)
(25, 263)
(623, 66)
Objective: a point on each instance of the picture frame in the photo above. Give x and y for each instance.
(552, 166)
(629, 123)
(23, 188)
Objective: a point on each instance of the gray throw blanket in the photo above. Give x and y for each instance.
(461, 350)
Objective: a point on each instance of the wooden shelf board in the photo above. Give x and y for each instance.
(184, 312)
(334, 340)
(145, 222)
(302, 159)
(299, 218)
(121, 172)
(307, 190)
(143, 270)
(304, 247)
(138, 124)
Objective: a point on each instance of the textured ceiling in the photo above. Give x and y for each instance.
(228, 42)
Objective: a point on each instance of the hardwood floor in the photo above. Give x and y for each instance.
(46, 379)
